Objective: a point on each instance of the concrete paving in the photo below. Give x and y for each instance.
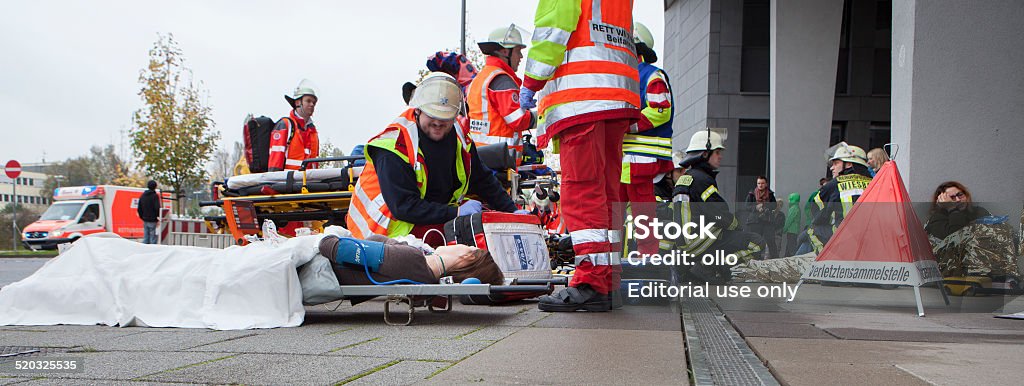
(856, 335)
(828, 335)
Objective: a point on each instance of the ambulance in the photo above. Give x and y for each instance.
(82, 210)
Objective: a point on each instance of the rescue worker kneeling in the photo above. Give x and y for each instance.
(696, 194)
(420, 169)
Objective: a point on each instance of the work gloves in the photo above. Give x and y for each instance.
(526, 98)
(470, 207)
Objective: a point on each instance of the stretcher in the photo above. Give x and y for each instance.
(437, 298)
(302, 202)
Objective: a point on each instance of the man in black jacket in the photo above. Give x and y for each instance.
(421, 168)
(696, 195)
(149, 212)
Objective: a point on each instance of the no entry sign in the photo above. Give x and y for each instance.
(13, 169)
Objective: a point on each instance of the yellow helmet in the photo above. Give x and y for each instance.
(438, 95)
(304, 88)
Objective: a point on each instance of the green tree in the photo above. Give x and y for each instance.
(25, 216)
(327, 149)
(172, 135)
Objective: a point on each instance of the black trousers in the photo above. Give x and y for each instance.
(767, 232)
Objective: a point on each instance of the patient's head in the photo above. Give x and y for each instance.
(471, 262)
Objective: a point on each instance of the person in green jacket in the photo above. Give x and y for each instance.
(792, 226)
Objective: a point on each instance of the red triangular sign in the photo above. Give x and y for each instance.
(881, 240)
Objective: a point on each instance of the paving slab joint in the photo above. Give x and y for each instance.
(222, 341)
(355, 344)
(143, 378)
(368, 372)
(463, 335)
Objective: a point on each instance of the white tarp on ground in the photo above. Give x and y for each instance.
(121, 282)
(246, 180)
(1019, 315)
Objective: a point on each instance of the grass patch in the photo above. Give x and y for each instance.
(339, 331)
(441, 370)
(28, 253)
(143, 378)
(354, 344)
(470, 332)
(368, 372)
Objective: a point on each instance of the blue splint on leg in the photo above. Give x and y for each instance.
(355, 252)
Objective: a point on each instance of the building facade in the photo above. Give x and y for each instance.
(29, 191)
(789, 78)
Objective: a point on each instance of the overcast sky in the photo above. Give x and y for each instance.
(69, 69)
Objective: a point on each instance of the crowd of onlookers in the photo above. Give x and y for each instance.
(960, 231)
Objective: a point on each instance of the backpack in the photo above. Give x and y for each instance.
(256, 134)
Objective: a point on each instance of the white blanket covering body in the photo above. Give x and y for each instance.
(121, 282)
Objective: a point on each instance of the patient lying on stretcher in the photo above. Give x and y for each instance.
(388, 259)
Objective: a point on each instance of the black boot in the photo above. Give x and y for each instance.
(575, 298)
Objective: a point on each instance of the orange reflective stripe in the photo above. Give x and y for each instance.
(599, 67)
(599, 73)
(572, 95)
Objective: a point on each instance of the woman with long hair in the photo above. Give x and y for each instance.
(876, 158)
(952, 209)
(402, 261)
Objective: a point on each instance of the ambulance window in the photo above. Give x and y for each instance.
(92, 213)
(61, 211)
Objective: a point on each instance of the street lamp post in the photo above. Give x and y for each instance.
(462, 39)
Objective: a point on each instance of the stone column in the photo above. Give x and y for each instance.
(958, 97)
(804, 52)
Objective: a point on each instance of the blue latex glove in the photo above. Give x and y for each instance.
(521, 211)
(470, 207)
(526, 100)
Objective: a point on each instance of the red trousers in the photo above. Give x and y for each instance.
(640, 194)
(591, 159)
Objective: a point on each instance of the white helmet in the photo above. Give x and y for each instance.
(304, 88)
(677, 157)
(506, 37)
(847, 153)
(706, 140)
(438, 95)
(642, 35)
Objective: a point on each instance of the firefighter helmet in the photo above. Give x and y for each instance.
(304, 88)
(438, 96)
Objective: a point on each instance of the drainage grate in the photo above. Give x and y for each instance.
(718, 355)
(9, 353)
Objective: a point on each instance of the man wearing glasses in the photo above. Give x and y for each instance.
(421, 167)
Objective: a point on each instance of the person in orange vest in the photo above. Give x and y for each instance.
(420, 169)
(647, 151)
(495, 115)
(583, 52)
(294, 138)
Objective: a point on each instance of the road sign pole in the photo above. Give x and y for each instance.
(13, 170)
(14, 217)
